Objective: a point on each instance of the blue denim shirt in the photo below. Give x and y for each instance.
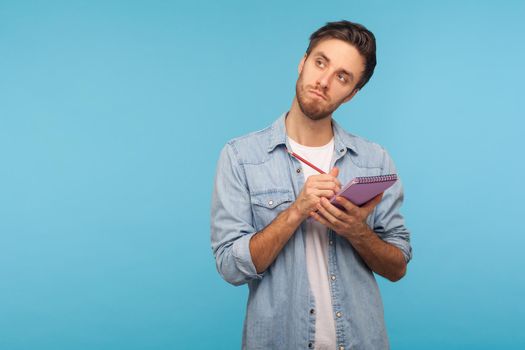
(256, 179)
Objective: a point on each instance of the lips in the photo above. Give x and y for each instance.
(315, 93)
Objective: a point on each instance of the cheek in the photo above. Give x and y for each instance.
(308, 77)
(300, 81)
(341, 93)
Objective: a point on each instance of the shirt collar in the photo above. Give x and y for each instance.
(342, 140)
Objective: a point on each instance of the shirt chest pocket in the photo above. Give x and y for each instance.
(267, 205)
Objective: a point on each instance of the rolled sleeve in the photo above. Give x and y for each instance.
(243, 258)
(389, 224)
(231, 221)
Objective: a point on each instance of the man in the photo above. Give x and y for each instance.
(309, 265)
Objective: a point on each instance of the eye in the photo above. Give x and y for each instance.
(342, 77)
(319, 63)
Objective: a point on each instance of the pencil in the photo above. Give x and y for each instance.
(295, 155)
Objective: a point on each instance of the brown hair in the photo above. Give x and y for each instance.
(356, 35)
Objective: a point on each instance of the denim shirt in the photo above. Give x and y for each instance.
(256, 179)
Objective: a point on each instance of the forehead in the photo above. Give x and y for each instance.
(341, 54)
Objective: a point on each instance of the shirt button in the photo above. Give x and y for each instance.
(341, 348)
(270, 202)
(330, 242)
(342, 150)
(338, 314)
(312, 311)
(310, 345)
(332, 277)
(298, 170)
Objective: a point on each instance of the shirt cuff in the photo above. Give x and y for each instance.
(403, 245)
(243, 258)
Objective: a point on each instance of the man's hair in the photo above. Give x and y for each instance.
(356, 35)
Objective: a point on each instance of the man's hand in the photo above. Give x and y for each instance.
(315, 188)
(266, 244)
(349, 222)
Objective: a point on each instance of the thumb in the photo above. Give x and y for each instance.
(371, 204)
(334, 172)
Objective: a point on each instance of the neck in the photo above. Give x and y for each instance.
(305, 131)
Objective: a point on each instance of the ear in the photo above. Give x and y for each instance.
(301, 64)
(349, 97)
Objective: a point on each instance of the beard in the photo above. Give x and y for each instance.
(312, 108)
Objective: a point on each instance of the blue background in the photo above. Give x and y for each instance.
(112, 116)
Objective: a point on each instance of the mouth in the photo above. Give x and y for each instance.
(318, 94)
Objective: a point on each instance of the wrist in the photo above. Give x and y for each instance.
(294, 215)
(360, 235)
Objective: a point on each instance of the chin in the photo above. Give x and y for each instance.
(313, 112)
(316, 115)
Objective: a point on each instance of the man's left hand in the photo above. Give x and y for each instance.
(349, 222)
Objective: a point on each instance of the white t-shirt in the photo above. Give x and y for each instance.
(317, 250)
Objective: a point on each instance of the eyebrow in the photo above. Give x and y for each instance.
(321, 54)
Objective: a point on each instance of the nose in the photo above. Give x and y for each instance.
(323, 81)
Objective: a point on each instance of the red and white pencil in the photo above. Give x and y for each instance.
(295, 155)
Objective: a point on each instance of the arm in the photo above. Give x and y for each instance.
(385, 248)
(241, 253)
(381, 257)
(231, 221)
(266, 244)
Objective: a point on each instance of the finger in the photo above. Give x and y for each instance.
(329, 212)
(321, 220)
(323, 181)
(349, 206)
(334, 172)
(333, 210)
(323, 177)
(324, 193)
(324, 185)
(370, 205)
(335, 177)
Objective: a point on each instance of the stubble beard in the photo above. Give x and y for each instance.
(311, 108)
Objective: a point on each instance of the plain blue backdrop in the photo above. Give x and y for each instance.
(112, 116)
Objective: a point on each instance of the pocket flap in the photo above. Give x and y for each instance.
(272, 199)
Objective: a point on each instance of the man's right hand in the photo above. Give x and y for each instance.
(316, 187)
(266, 244)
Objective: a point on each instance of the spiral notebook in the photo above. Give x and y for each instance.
(362, 189)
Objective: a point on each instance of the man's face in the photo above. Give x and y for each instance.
(327, 77)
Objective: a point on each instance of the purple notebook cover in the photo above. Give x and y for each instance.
(362, 189)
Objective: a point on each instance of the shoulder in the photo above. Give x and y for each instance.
(251, 148)
(366, 146)
(363, 152)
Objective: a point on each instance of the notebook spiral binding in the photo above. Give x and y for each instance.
(379, 178)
